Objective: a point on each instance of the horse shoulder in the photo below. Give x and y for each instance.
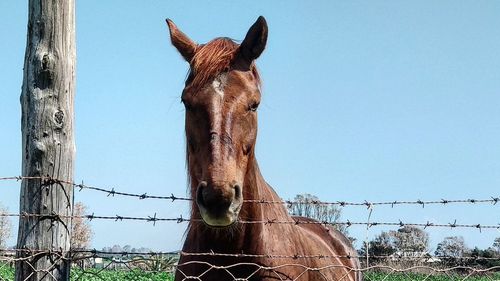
(339, 244)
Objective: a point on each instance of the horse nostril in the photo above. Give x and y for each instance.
(237, 193)
(199, 193)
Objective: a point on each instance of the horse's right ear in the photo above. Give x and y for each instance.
(181, 42)
(255, 41)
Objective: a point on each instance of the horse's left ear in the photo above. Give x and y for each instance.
(255, 41)
(184, 45)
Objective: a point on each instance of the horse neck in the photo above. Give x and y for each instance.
(260, 190)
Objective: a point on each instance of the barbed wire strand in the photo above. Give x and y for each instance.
(296, 221)
(493, 200)
(100, 253)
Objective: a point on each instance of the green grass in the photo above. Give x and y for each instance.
(369, 276)
(398, 276)
(108, 275)
(7, 274)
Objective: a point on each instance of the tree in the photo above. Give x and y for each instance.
(127, 248)
(406, 241)
(452, 246)
(81, 231)
(5, 227)
(489, 255)
(81, 234)
(382, 245)
(410, 240)
(496, 245)
(310, 206)
(116, 249)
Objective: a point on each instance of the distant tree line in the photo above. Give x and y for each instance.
(127, 248)
(413, 242)
(408, 242)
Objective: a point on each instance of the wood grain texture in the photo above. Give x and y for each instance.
(47, 135)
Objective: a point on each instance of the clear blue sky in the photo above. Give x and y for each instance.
(362, 100)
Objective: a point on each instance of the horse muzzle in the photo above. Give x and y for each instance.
(219, 204)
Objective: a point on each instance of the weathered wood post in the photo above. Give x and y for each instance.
(48, 145)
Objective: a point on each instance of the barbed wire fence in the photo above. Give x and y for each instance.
(94, 263)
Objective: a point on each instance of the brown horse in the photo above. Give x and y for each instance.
(221, 96)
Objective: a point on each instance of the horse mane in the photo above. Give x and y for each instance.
(212, 59)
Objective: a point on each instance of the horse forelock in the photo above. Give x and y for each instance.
(212, 59)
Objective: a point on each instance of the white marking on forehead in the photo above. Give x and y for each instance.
(218, 86)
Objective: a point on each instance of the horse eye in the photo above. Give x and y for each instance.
(253, 106)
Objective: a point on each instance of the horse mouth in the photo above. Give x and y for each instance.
(219, 221)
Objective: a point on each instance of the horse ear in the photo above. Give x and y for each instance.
(255, 41)
(181, 42)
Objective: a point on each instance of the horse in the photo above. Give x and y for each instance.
(231, 234)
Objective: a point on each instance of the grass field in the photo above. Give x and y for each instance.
(398, 276)
(94, 275)
(7, 274)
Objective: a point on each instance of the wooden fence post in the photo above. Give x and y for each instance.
(48, 146)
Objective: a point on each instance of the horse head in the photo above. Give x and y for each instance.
(221, 96)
